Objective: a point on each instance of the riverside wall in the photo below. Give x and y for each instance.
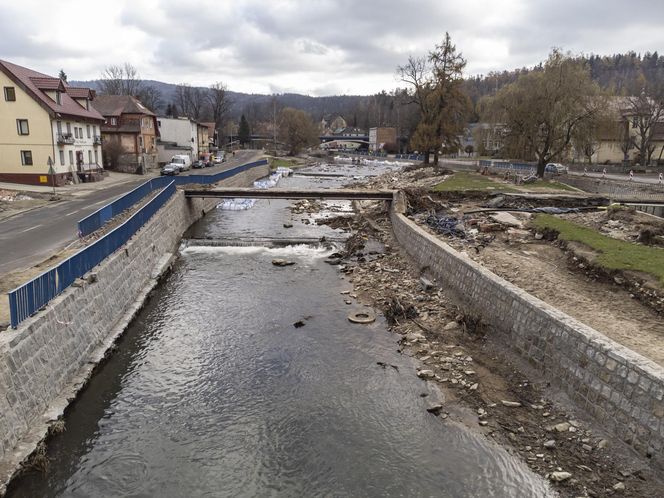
(50, 356)
(615, 188)
(622, 390)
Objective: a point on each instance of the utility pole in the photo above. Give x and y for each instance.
(274, 124)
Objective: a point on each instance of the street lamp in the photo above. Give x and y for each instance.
(51, 172)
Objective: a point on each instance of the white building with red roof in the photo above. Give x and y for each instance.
(41, 117)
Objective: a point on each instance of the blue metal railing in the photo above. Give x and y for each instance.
(97, 219)
(26, 300)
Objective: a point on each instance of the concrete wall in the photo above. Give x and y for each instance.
(621, 389)
(49, 357)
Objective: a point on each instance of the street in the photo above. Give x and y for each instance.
(32, 236)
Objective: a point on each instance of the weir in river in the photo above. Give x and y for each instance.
(213, 391)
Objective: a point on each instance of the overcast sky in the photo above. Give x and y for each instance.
(316, 47)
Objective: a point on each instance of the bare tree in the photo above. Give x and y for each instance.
(190, 100)
(120, 80)
(219, 103)
(296, 130)
(644, 112)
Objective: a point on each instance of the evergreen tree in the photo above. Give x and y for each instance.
(63, 75)
(244, 133)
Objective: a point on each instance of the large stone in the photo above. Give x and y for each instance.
(559, 476)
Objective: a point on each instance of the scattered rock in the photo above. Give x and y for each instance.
(288, 225)
(620, 486)
(549, 444)
(426, 284)
(298, 324)
(539, 236)
(511, 404)
(451, 326)
(559, 476)
(435, 409)
(282, 262)
(562, 427)
(426, 374)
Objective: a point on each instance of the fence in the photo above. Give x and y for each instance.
(411, 157)
(29, 298)
(97, 219)
(507, 165)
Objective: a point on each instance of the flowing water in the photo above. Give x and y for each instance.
(214, 392)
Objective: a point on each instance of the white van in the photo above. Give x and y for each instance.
(182, 161)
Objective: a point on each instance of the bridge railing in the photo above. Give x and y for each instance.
(97, 219)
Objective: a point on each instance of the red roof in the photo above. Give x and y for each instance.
(117, 105)
(35, 84)
(79, 92)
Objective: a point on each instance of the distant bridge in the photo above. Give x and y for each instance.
(322, 138)
(275, 193)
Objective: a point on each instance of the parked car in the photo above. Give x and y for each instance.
(198, 164)
(556, 169)
(219, 158)
(183, 161)
(170, 169)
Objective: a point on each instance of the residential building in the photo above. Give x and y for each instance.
(43, 120)
(615, 143)
(177, 136)
(380, 137)
(129, 134)
(351, 131)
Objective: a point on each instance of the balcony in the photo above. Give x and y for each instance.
(65, 138)
(96, 140)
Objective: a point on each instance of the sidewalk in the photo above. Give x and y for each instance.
(114, 178)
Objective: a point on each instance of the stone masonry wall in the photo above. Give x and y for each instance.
(621, 389)
(615, 188)
(42, 361)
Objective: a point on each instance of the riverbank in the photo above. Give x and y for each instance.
(512, 405)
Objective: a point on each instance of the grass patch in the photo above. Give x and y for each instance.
(614, 254)
(278, 162)
(462, 181)
(549, 184)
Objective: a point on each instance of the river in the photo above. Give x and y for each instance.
(213, 391)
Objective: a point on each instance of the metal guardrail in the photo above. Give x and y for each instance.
(26, 300)
(97, 219)
(484, 163)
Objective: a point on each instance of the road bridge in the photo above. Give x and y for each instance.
(275, 193)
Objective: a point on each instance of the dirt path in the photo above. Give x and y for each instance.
(544, 271)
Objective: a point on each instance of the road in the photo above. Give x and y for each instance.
(32, 236)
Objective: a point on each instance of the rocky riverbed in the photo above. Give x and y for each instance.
(483, 385)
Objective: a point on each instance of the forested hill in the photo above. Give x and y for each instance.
(620, 74)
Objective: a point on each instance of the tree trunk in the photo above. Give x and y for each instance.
(541, 164)
(435, 158)
(426, 158)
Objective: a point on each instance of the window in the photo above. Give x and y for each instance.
(71, 158)
(96, 157)
(89, 157)
(22, 127)
(10, 94)
(26, 157)
(69, 129)
(114, 121)
(59, 125)
(87, 128)
(94, 130)
(80, 132)
(57, 98)
(75, 132)
(62, 158)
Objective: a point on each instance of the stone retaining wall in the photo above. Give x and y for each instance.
(48, 358)
(614, 188)
(621, 389)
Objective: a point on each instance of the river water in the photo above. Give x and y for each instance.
(213, 391)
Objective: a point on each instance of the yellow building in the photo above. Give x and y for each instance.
(41, 117)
